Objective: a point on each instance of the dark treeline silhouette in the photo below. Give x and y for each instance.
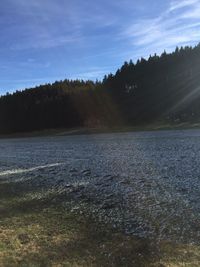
(163, 88)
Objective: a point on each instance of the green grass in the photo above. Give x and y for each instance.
(36, 229)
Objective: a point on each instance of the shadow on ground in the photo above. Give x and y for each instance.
(37, 229)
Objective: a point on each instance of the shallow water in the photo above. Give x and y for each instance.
(146, 183)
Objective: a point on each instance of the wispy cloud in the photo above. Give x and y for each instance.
(175, 5)
(48, 24)
(178, 25)
(45, 41)
(57, 23)
(92, 73)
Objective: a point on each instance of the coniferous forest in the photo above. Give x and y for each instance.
(163, 88)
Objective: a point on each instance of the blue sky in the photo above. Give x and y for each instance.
(47, 40)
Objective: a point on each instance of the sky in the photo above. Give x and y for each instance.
(47, 40)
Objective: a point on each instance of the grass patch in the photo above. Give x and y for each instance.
(39, 231)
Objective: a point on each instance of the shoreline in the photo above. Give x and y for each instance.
(103, 130)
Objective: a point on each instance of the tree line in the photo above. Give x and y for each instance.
(161, 88)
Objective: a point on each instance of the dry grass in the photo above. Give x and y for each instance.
(41, 232)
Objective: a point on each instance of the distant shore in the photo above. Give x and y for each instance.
(100, 130)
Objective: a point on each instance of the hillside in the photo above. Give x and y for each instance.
(161, 88)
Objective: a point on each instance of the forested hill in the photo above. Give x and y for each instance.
(163, 88)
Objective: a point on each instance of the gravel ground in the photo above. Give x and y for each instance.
(144, 183)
